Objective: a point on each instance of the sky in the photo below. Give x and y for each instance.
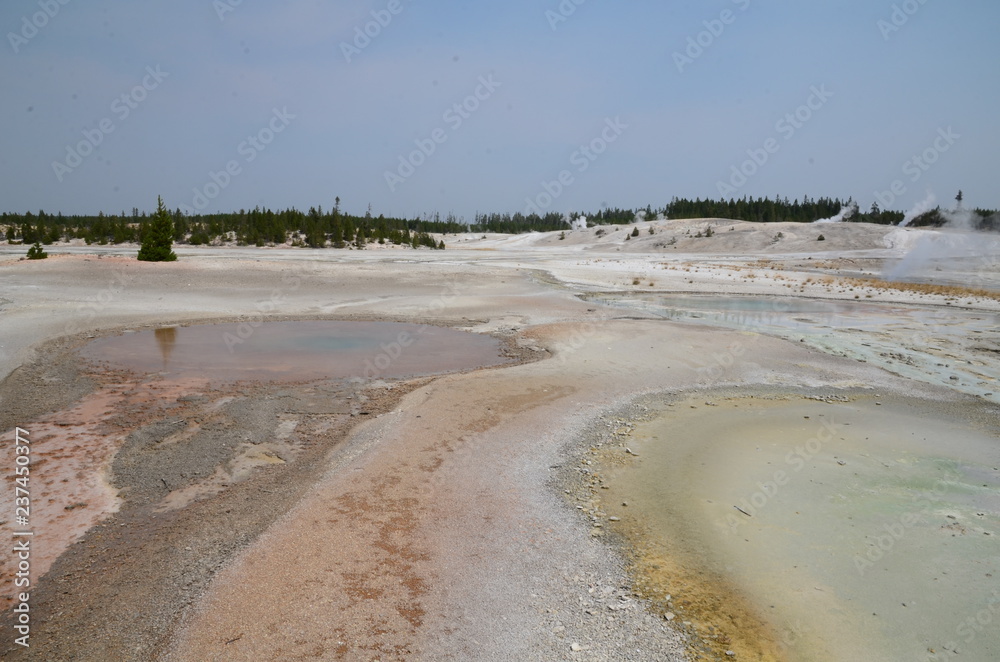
(417, 107)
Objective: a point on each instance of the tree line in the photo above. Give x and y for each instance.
(318, 227)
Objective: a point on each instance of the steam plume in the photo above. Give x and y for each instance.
(845, 213)
(922, 207)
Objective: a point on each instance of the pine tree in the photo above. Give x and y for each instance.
(337, 235)
(36, 252)
(158, 236)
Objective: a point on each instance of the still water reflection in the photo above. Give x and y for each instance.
(298, 350)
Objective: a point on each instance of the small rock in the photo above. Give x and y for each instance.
(669, 616)
(576, 648)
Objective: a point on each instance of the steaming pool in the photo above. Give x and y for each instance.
(821, 530)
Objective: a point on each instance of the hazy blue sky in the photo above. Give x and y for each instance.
(200, 78)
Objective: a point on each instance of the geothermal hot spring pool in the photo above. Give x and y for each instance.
(913, 341)
(865, 529)
(839, 528)
(331, 361)
(298, 350)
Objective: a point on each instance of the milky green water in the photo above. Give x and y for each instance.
(872, 532)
